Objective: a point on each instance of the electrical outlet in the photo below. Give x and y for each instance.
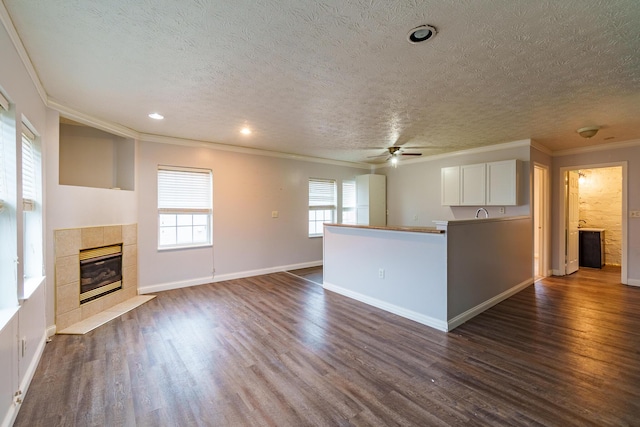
(415, 217)
(274, 214)
(502, 209)
(635, 214)
(381, 273)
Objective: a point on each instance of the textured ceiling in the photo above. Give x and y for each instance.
(333, 79)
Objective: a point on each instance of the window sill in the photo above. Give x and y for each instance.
(316, 236)
(174, 248)
(30, 286)
(6, 314)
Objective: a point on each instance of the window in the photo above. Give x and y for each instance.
(348, 202)
(185, 207)
(322, 204)
(8, 221)
(29, 187)
(31, 206)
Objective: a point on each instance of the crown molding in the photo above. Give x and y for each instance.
(160, 139)
(599, 147)
(5, 18)
(541, 148)
(476, 150)
(88, 120)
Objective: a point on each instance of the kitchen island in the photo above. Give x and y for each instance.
(439, 276)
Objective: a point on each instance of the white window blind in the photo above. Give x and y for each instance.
(322, 204)
(185, 207)
(322, 194)
(184, 189)
(4, 104)
(29, 185)
(348, 202)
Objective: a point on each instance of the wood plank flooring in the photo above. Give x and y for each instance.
(277, 350)
(313, 274)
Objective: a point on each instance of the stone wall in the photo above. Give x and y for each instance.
(601, 207)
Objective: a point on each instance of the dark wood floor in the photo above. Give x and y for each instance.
(313, 274)
(280, 351)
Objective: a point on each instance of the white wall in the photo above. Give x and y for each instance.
(415, 271)
(487, 258)
(413, 189)
(246, 239)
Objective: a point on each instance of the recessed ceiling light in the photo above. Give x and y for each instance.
(245, 131)
(156, 116)
(421, 34)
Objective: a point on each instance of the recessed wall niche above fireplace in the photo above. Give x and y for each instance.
(111, 255)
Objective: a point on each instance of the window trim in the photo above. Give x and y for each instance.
(191, 209)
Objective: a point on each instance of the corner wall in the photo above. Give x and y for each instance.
(246, 239)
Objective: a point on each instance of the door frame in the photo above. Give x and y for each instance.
(543, 194)
(562, 224)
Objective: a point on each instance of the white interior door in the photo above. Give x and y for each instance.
(573, 219)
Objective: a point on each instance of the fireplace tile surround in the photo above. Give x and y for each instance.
(67, 245)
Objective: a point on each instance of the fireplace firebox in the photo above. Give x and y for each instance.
(100, 272)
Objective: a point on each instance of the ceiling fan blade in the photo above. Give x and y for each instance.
(379, 155)
(411, 154)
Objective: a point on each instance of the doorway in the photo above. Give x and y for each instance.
(540, 221)
(594, 197)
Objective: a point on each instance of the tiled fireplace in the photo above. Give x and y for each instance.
(68, 244)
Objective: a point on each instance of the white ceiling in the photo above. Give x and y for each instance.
(334, 79)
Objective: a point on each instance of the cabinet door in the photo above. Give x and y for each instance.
(450, 186)
(472, 188)
(362, 190)
(502, 183)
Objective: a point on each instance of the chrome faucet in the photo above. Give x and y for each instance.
(486, 213)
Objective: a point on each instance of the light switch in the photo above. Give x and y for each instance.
(274, 214)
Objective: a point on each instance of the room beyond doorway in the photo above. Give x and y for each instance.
(600, 203)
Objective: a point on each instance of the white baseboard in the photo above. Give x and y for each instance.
(557, 272)
(26, 381)
(167, 286)
(472, 312)
(441, 325)
(51, 331)
(633, 282)
(222, 277)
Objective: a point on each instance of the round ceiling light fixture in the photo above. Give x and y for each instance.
(421, 34)
(245, 131)
(588, 132)
(156, 116)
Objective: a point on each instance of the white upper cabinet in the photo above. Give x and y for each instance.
(450, 186)
(472, 185)
(502, 183)
(482, 184)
